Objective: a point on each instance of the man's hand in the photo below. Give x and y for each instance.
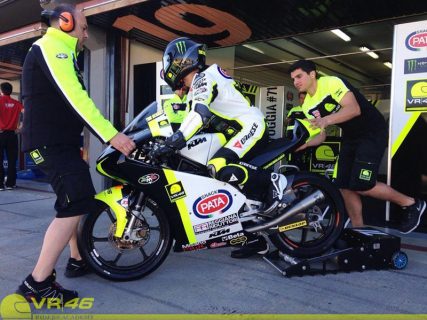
(122, 143)
(320, 123)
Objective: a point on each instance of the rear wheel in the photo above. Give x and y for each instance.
(325, 220)
(122, 260)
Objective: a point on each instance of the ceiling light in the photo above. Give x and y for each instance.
(341, 34)
(388, 64)
(369, 52)
(253, 48)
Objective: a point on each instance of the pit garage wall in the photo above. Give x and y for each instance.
(97, 78)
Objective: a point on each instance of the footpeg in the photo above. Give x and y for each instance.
(279, 182)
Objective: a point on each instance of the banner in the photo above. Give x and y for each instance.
(409, 80)
(408, 101)
(271, 105)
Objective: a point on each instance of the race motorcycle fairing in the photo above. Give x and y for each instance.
(174, 198)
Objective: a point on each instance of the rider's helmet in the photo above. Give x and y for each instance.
(182, 56)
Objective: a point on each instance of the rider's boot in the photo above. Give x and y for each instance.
(255, 246)
(275, 194)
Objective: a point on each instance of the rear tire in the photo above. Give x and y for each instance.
(326, 220)
(119, 260)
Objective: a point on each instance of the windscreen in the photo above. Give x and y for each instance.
(140, 122)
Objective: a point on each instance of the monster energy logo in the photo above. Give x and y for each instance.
(415, 65)
(411, 65)
(181, 47)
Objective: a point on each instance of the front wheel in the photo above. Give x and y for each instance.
(118, 259)
(325, 220)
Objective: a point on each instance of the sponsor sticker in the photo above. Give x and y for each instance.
(238, 240)
(232, 236)
(293, 226)
(196, 142)
(195, 246)
(163, 123)
(124, 202)
(416, 95)
(219, 233)
(214, 245)
(149, 178)
(214, 201)
(216, 224)
(175, 191)
(417, 40)
(415, 65)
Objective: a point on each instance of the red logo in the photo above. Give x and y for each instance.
(416, 40)
(238, 144)
(215, 201)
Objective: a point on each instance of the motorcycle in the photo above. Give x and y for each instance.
(173, 198)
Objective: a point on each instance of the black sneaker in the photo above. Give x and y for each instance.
(412, 216)
(49, 289)
(10, 187)
(256, 246)
(76, 268)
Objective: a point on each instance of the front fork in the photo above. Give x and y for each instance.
(119, 204)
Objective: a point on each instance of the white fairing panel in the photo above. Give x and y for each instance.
(212, 205)
(202, 147)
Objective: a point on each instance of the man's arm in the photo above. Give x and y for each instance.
(350, 109)
(63, 75)
(321, 137)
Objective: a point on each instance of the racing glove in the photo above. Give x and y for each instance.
(172, 143)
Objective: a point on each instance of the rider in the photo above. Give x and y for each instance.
(216, 100)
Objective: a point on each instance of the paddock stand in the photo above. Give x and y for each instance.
(358, 249)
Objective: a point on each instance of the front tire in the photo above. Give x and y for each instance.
(326, 220)
(119, 260)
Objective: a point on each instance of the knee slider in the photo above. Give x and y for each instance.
(232, 174)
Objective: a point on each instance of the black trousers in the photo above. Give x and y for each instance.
(8, 143)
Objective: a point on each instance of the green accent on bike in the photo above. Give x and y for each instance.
(112, 198)
(181, 47)
(365, 174)
(101, 171)
(182, 208)
(268, 165)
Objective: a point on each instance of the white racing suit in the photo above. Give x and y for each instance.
(216, 102)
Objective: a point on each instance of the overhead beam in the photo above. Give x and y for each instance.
(21, 34)
(93, 7)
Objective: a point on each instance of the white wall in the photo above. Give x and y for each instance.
(139, 54)
(98, 83)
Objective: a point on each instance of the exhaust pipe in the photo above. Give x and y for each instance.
(305, 203)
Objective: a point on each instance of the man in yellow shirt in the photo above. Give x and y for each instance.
(176, 108)
(334, 101)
